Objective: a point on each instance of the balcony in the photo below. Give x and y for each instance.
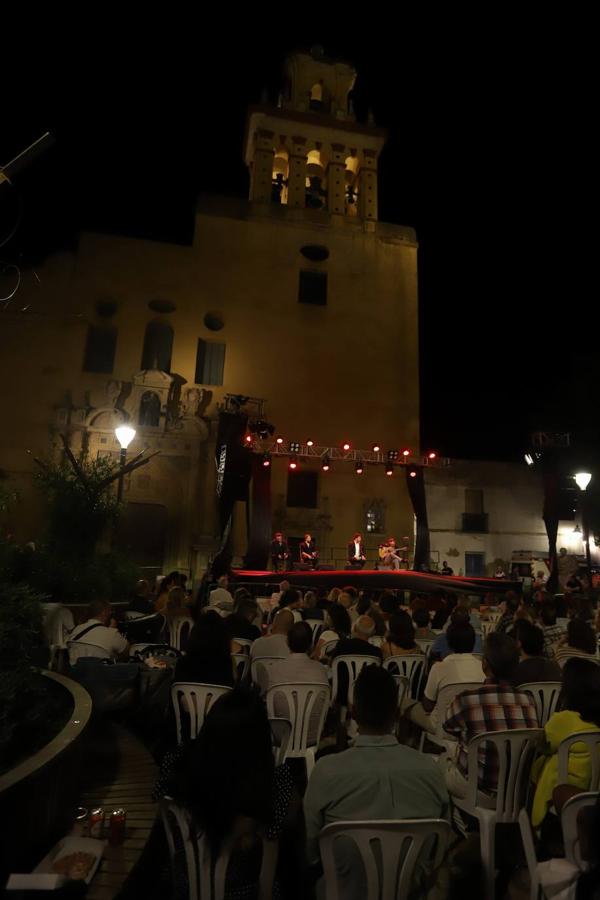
(474, 523)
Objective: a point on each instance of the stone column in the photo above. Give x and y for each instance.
(367, 185)
(297, 174)
(262, 167)
(336, 180)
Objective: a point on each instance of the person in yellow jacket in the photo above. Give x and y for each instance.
(580, 712)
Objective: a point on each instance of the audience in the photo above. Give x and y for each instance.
(240, 623)
(580, 641)
(533, 665)
(377, 778)
(508, 608)
(311, 610)
(337, 626)
(220, 596)
(440, 648)
(141, 602)
(580, 712)
(346, 600)
(366, 607)
(420, 619)
(495, 706)
(274, 644)
(400, 639)
(358, 643)
(97, 634)
(292, 599)
(208, 655)
(551, 630)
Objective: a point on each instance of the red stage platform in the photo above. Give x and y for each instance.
(374, 579)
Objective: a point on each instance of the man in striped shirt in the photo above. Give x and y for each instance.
(495, 706)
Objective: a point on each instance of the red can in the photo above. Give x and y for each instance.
(96, 822)
(118, 818)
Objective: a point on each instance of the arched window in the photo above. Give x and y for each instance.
(150, 409)
(316, 96)
(158, 346)
(351, 186)
(279, 186)
(316, 192)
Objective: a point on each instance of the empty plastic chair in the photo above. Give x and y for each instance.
(195, 700)
(179, 631)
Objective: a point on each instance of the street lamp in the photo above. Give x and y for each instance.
(124, 434)
(582, 479)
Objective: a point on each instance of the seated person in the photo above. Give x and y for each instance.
(534, 666)
(208, 657)
(400, 640)
(240, 623)
(420, 619)
(508, 607)
(98, 632)
(377, 778)
(275, 643)
(310, 609)
(440, 648)
(176, 603)
(308, 551)
(337, 627)
(220, 597)
(580, 712)
(366, 607)
(580, 641)
(356, 553)
(495, 706)
(292, 599)
(141, 601)
(358, 644)
(553, 632)
(460, 666)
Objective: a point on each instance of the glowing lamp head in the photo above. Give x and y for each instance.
(431, 455)
(413, 473)
(248, 438)
(582, 479)
(406, 453)
(359, 468)
(325, 465)
(293, 464)
(376, 448)
(346, 446)
(310, 443)
(389, 469)
(125, 434)
(279, 441)
(266, 460)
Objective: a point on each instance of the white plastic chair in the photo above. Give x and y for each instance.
(591, 739)
(82, 650)
(438, 715)
(410, 665)
(568, 819)
(316, 626)
(424, 645)
(197, 700)
(259, 670)
(488, 627)
(58, 624)
(206, 876)
(389, 850)
(241, 666)
(130, 615)
(301, 700)
(244, 644)
(545, 696)
(353, 664)
(179, 630)
(281, 732)
(376, 640)
(330, 646)
(515, 748)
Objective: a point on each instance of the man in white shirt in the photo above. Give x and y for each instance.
(220, 598)
(274, 644)
(459, 667)
(95, 637)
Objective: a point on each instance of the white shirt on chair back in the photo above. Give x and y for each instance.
(100, 636)
(270, 645)
(454, 669)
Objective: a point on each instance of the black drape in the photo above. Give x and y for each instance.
(233, 476)
(259, 521)
(416, 490)
(551, 516)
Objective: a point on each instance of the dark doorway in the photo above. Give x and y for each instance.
(141, 534)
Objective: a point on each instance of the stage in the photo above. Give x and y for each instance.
(372, 579)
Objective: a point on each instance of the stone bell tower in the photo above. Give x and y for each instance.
(309, 152)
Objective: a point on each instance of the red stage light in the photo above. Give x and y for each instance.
(432, 455)
(346, 446)
(279, 440)
(406, 453)
(310, 443)
(376, 448)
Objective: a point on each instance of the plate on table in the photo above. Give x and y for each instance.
(76, 858)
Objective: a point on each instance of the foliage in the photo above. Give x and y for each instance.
(79, 510)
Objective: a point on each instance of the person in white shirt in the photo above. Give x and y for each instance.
(459, 667)
(96, 632)
(220, 598)
(274, 644)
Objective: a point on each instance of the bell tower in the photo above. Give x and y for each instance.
(309, 152)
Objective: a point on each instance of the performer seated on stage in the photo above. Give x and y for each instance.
(356, 553)
(389, 555)
(308, 551)
(279, 552)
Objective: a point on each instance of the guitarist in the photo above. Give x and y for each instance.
(389, 555)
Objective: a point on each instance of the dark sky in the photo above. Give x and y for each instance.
(489, 157)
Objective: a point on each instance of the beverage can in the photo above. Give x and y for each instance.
(80, 826)
(96, 827)
(118, 818)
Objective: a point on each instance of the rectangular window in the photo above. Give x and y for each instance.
(302, 489)
(210, 362)
(312, 288)
(100, 348)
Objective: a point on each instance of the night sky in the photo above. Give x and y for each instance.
(489, 157)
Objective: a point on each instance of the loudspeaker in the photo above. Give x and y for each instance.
(326, 568)
(301, 567)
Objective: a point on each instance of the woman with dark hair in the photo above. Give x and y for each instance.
(400, 638)
(228, 782)
(337, 625)
(208, 653)
(580, 712)
(580, 642)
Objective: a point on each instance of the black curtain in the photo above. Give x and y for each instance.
(416, 490)
(259, 520)
(233, 477)
(551, 516)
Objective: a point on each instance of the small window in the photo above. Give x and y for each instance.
(100, 348)
(210, 362)
(302, 489)
(312, 288)
(158, 347)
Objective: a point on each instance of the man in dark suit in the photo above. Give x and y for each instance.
(279, 552)
(308, 551)
(355, 553)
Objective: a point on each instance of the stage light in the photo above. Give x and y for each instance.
(294, 447)
(431, 455)
(392, 455)
(376, 448)
(346, 446)
(266, 460)
(310, 443)
(389, 469)
(406, 453)
(529, 459)
(359, 468)
(293, 464)
(279, 441)
(248, 438)
(326, 465)
(413, 473)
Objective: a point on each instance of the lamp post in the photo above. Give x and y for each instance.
(582, 479)
(124, 434)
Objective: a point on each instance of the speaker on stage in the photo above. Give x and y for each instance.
(301, 567)
(325, 568)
